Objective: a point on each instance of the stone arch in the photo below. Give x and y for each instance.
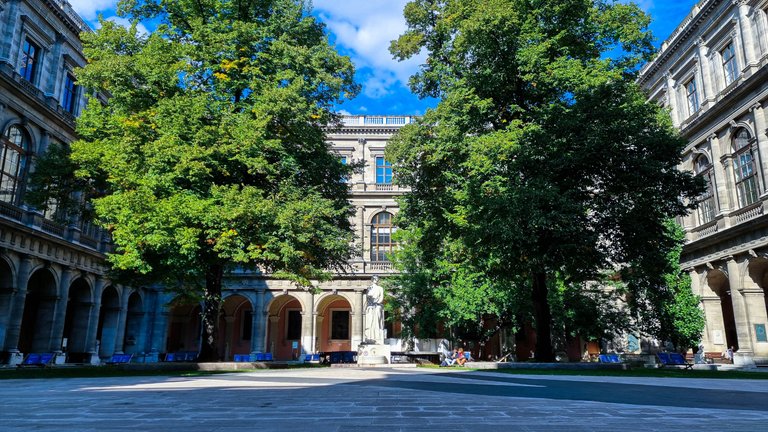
(109, 316)
(334, 323)
(133, 336)
(184, 325)
(284, 327)
(77, 318)
(235, 326)
(39, 312)
(719, 283)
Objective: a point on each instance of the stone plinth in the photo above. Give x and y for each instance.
(373, 354)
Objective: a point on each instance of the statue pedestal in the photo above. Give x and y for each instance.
(373, 354)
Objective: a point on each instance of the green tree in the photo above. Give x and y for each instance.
(211, 148)
(542, 161)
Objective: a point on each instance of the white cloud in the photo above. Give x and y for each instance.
(366, 29)
(127, 24)
(89, 9)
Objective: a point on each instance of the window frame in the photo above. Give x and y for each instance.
(20, 149)
(29, 74)
(383, 170)
(331, 335)
(707, 206)
(730, 64)
(380, 250)
(692, 96)
(69, 96)
(745, 169)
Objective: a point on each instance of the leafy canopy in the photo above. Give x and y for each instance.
(542, 162)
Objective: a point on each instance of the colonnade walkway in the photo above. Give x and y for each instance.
(383, 399)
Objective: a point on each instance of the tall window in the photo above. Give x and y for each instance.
(69, 94)
(707, 199)
(381, 236)
(383, 171)
(730, 69)
(744, 169)
(693, 98)
(12, 147)
(246, 331)
(340, 324)
(29, 59)
(293, 326)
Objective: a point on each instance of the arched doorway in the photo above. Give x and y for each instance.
(39, 313)
(719, 284)
(284, 332)
(109, 315)
(235, 327)
(184, 326)
(76, 321)
(6, 301)
(133, 338)
(334, 324)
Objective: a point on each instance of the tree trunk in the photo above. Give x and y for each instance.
(210, 319)
(543, 316)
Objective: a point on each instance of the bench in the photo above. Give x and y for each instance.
(609, 358)
(673, 359)
(312, 358)
(37, 359)
(260, 357)
(242, 358)
(120, 359)
(182, 356)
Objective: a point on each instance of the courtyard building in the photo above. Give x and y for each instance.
(712, 75)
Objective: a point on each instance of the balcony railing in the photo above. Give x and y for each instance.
(11, 211)
(375, 120)
(52, 227)
(747, 213)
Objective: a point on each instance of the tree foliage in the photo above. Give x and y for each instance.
(211, 147)
(542, 161)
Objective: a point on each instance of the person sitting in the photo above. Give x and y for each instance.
(461, 358)
(450, 360)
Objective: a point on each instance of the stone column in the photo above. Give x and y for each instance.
(358, 321)
(708, 89)
(313, 346)
(8, 39)
(745, 355)
(747, 36)
(318, 325)
(274, 324)
(93, 321)
(258, 325)
(758, 114)
(672, 97)
(307, 336)
(57, 332)
(13, 330)
(754, 299)
(121, 318)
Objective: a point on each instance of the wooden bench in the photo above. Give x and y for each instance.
(120, 359)
(673, 359)
(37, 360)
(609, 358)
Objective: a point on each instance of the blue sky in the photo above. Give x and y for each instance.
(363, 29)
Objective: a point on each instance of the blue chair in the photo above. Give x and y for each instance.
(259, 357)
(267, 356)
(348, 357)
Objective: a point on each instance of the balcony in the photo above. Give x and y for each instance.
(374, 120)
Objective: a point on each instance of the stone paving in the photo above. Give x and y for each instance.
(380, 399)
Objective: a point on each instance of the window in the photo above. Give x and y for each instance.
(744, 169)
(381, 236)
(293, 331)
(729, 64)
(383, 171)
(69, 94)
(340, 325)
(247, 325)
(12, 148)
(29, 60)
(693, 98)
(344, 162)
(706, 207)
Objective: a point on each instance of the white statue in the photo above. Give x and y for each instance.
(374, 313)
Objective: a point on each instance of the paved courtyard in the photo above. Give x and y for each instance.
(336, 399)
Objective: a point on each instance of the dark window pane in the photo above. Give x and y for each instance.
(294, 325)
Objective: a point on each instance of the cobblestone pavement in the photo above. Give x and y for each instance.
(336, 399)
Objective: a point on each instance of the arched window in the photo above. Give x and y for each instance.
(381, 236)
(12, 148)
(707, 199)
(744, 169)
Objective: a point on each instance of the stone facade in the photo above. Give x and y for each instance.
(54, 292)
(712, 75)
